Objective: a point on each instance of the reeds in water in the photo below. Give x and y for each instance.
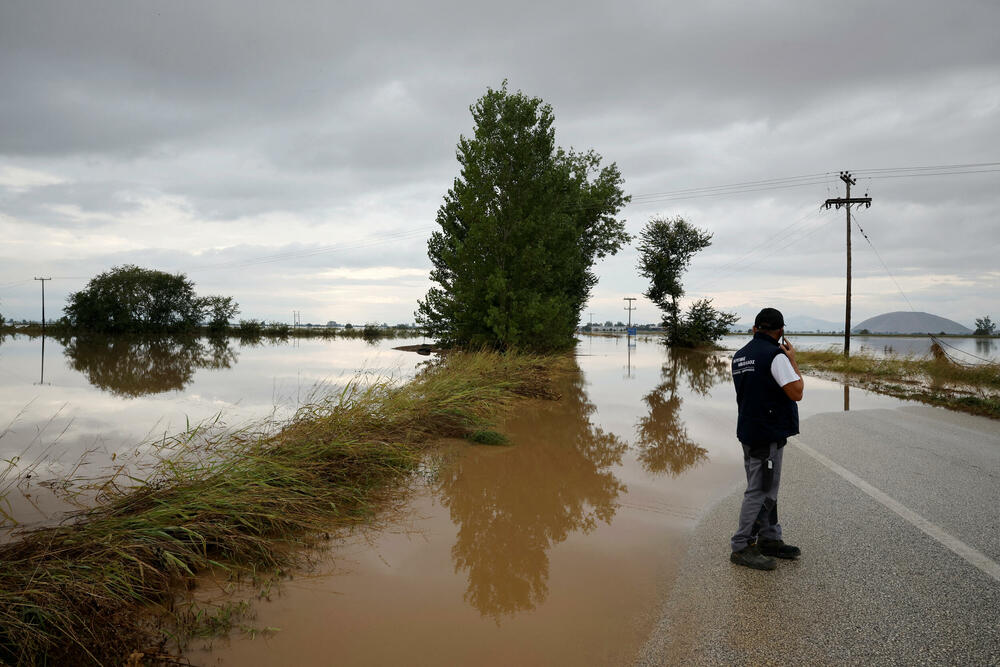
(102, 584)
(973, 388)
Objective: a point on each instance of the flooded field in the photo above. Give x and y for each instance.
(964, 349)
(108, 401)
(556, 549)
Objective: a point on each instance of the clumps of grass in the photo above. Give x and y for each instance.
(936, 380)
(488, 437)
(249, 329)
(255, 332)
(88, 591)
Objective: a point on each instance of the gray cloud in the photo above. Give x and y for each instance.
(254, 130)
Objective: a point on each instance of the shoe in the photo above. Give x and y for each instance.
(778, 549)
(750, 556)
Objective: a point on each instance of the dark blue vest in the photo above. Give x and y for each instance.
(766, 413)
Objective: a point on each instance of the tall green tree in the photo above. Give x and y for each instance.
(521, 229)
(666, 248)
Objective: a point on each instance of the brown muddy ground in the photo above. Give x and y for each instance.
(558, 549)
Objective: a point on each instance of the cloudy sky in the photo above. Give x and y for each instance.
(293, 154)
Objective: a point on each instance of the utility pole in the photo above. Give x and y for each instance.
(629, 308)
(43, 301)
(847, 202)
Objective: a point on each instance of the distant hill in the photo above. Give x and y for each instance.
(906, 322)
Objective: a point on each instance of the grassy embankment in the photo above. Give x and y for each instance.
(937, 381)
(110, 581)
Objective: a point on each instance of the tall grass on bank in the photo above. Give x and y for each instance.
(935, 380)
(95, 589)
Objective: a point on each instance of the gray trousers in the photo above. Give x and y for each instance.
(760, 509)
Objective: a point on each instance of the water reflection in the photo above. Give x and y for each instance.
(664, 445)
(130, 366)
(630, 343)
(512, 504)
(986, 346)
(41, 373)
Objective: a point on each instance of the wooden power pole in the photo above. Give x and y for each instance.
(43, 300)
(629, 308)
(847, 202)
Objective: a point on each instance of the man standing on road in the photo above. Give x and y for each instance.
(768, 385)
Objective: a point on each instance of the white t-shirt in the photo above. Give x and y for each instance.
(782, 371)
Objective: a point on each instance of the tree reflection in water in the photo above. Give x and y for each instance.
(664, 445)
(985, 346)
(135, 366)
(512, 504)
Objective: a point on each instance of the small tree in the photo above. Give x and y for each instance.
(371, 333)
(985, 326)
(703, 324)
(250, 331)
(218, 311)
(521, 228)
(665, 251)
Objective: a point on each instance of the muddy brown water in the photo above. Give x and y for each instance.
(557, 549)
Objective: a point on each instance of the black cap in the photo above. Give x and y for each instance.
(769, 319)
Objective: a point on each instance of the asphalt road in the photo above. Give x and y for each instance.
(898, 518)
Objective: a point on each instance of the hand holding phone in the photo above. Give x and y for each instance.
(787, 347)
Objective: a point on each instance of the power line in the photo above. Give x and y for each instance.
(766, 181)
(967, 165)
(817, 178)
(16, 283)
(728, 192)
(745, 187)
(298, 254)
(914, 310)
(974, 356)
(789, 241)
(276, 257)
(936, 173)
(725, 267)
(884, 266)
